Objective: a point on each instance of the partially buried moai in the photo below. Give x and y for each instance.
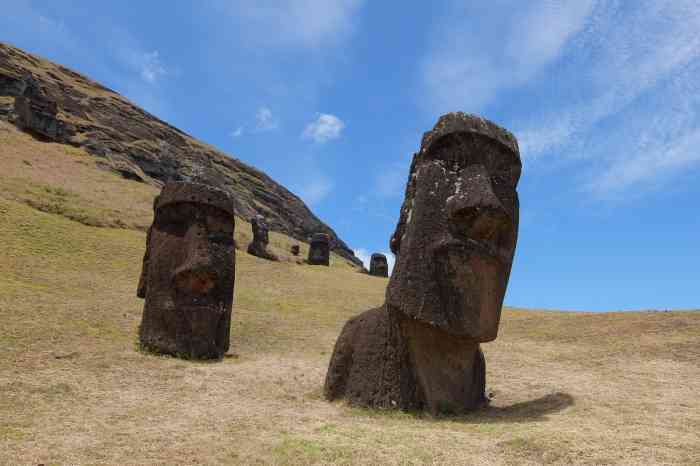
(378, 265)
(188, 272)
(320, 249)
(261, 238)
(454, 246)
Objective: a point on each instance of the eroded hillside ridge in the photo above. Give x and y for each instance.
(64, 106)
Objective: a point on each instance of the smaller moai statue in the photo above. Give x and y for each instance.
(261, 238)
(378, 266)
(295, 249)
(320, 250)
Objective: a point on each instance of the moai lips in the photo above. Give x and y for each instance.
(320, 249)
(188, 273)
(454, 246)
(378, 265)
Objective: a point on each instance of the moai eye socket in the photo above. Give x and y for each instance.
(172, 219)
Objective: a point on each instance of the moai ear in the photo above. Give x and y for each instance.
(143, 280)
(395, 241)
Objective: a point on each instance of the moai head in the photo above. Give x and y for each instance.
(456, 236)
(295, 249)
(378, 265)
(188, 272)
(320, 249)
(261, 234)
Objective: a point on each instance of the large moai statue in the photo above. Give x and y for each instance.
(261, 238)
(188, 273)
(378, 266)
(320, 249)
(454, 246)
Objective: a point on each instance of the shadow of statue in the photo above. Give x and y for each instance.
(527, 411)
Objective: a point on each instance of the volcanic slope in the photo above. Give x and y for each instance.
(74, 110)
(568, 388)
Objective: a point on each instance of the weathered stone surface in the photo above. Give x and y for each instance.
(319, 250)
(38, 113)
(139, 146)
(378, 266)
(261, 238)
(188, 273)
(454, 246)
(294, 249)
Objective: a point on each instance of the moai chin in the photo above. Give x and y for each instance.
(261, 238)
(454, 246)
(320, 249)
(378, 266)
(188, 273)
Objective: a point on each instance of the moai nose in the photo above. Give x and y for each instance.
(474, 211)
(197, 274)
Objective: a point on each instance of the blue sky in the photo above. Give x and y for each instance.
(330, 98)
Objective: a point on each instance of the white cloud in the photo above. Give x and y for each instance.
(624, 60)
(151, 67)
(305, 23)
(238, 132)
(364, 255)
(473, 60)
(636, 113)
(611, 84)
(324, 128)
(264, 120)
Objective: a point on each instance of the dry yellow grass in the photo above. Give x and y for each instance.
(568, 388)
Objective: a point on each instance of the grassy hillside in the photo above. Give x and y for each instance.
(617, 388)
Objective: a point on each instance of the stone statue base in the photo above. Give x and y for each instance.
(384, 359)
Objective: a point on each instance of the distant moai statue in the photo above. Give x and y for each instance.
(378, 265)
(261, 238)
(38, 112)
(294, 249)
(454, 245)
(320, 249)
(188, 272)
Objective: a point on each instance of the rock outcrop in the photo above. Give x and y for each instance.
(64, 106)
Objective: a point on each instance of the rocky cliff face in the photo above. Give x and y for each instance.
(61, 105)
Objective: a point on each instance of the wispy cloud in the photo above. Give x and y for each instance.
(324, 128)
(636, 113)
(238, 132)
(151, 67)
(471, 62)
(624, 59)
(612, 83)
(264, 120)
(296, 23)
